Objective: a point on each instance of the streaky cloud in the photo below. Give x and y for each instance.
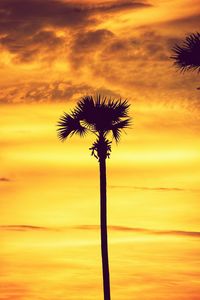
(178, 233)
(97, 227)
(24, 228)
(142, 230)
(54, 91)
(144, 188)
(5, 179)
(119, 6)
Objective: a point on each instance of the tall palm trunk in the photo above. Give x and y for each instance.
(104, 240)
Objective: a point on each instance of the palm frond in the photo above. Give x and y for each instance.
(187, 56)
(118, 109)
(118, 127)
(68, 125)
(84, 107)
(99, 112)
(85, 110)
(99, 115)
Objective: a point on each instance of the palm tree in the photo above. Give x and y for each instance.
(99, 116)
(187, 56)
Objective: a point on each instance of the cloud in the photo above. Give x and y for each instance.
(142, 230)
(164, 189)
(92, 39)
(157, 232)
(138, 60)
(23, 228)
(49, 91)
(4, 179)
(128, 62)
(28, 29)
(97, 227)
(35, 14)
(115, 6)
(147, 46)
(186, 24)
(29, 48)
(77, 40)
(178, 233)
(58, 90)
(86, 46)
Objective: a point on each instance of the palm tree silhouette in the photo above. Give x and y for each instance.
(100, 117)
(187, 56)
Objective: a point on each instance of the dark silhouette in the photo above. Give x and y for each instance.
(100, 117)
(187, 56)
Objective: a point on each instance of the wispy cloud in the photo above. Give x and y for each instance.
(97, 227)
(24, 228)
(178, 233)
(145, 188)
(48, 91)
(156, 232)
(5, 179)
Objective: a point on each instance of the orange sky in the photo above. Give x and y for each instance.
(55, 51)
(52, 52)
(51, 183)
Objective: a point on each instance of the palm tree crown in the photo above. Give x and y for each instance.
(98, 115)
(187, 56)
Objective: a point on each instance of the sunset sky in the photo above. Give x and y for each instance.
(52, 53)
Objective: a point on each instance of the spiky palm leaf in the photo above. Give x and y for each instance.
(118, 126)
(100, 112)
(187, 56)
(95, 114)
(68, 126)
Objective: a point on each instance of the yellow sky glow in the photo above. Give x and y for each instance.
(55, 52)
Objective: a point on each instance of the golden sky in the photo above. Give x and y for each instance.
(55, 51)
(52, 52)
